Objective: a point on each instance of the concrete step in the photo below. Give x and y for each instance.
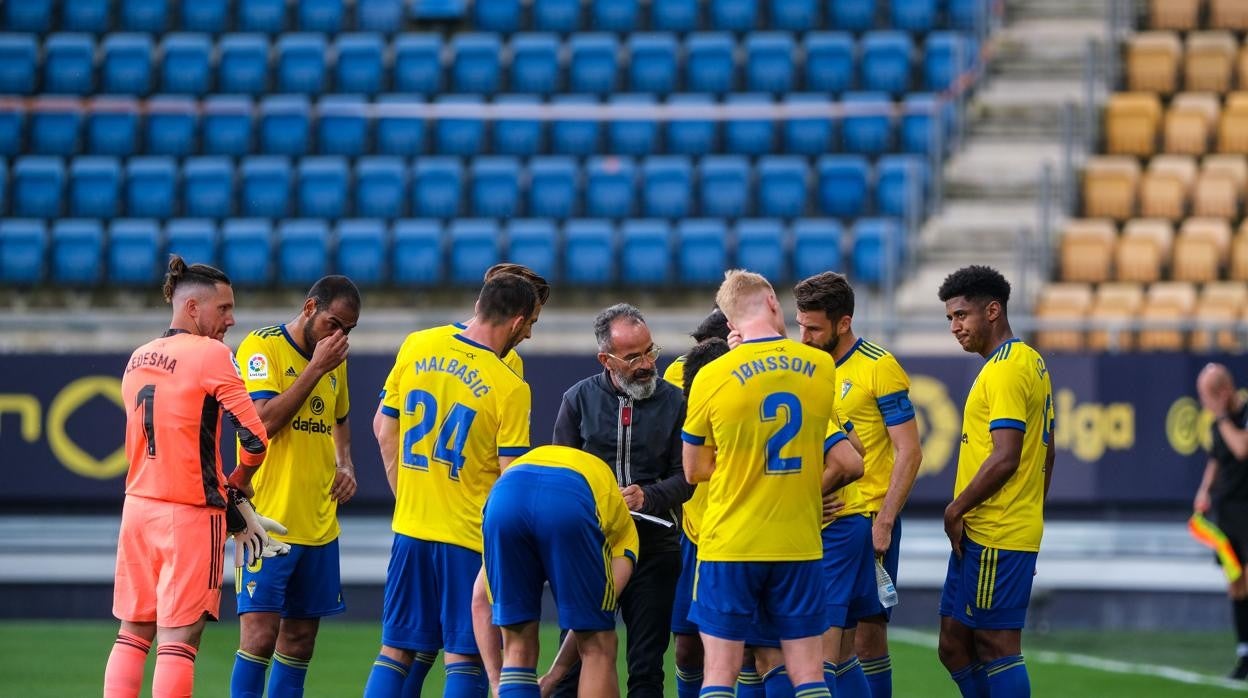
(995, 168)
(977, 227)
(1032, 48)
(1024, 9)
(1024, 104)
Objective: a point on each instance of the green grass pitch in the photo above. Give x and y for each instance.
(60, 659)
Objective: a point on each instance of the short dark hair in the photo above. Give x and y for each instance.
(713, 325)
(604, 320)
(540, 284)
(829, 292)
(331, 288)
(700, 355)
(182, 275)
(978, 283)
(504, 297)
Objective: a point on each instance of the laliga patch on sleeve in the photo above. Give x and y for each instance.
(257, 367)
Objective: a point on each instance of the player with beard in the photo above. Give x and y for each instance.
(631, 420)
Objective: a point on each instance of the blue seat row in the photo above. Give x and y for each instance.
(329, 187)
(191, 64)
(422, 252)
(865, 123)
(213, 16)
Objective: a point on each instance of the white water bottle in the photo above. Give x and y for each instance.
(884, 586)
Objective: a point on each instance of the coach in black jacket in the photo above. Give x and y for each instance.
(631, 419)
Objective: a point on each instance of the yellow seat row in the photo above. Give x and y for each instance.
(1136, 123)
(1185, 15)
(1148, 250)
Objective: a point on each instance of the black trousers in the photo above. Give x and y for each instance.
(646, 609)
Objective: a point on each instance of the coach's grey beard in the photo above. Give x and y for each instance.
(637, 390)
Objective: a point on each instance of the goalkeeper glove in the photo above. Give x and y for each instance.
(251, 531)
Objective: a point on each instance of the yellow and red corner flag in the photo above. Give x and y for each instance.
(1206, 532)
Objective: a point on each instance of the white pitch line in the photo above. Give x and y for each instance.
(1114, 666)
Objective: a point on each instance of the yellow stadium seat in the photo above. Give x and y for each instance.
(1189, 122)
(1195, 260)
(1233, 166)
(1181, 15)
(1166, 301)
(1215, 230)
(1228, 14)
(1137, 259)
(1215, 195)
(1239, 254)
(1087, 249)
(1233, 124)
(1115, 303)
(1109, 185)
(1166, 186)
(1132, 122)
(1209, 59)
(1153, 62)
(1222, 302)
(1067, 302)
(1159, 232)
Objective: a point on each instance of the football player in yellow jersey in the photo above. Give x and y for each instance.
(713, 325)
(874, 395)
(755, 434)
(456, 415)
(296, 375)
(996, 518)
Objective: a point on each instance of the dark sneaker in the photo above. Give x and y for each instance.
(1241, 670)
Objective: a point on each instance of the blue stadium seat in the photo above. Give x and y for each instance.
(12, 121)
(534, 63)
(23, 251)
(734, 15)
(4, 184)
(264, 186)
(873, 238)
(816, 246)
(284, 125)
(149, 16)
(361, 251)
(502, 16)
(77, 252)
(380, 187)
(436, 187)
(552, 187)
(474, 248)
(17, 63)
(37, 185)
(518, 136)
(437, 10)
(782, 186)
(54, 126)
(562, 16)
(761, 248)
(843, 185)
(753, 136)
(127, 65)
(901, 183)
(968, 15)
(243, 64)
(592, 65)
(185, 64)
(674, 15)
(619, 16)
(921, 124)
(68, 64)
(192, 239)
(794, 15)
(341, 125)
(646, 252)
(378, 15)
(247, 251)
(946, 55)
(170, 127)
(666, 187)
(360, 67)
(207, 16)
(886, 62)
(609, 187)
(633, 137)
(769, 62)
(852, 15)
(398, 133)
(476, 63)
(208, 187)
(33, 16)
(323, 16)
(709, 65)
(724, 186)
(495, 189)
(589, 252)
(916, 16)
(94, 187)
(151, 186)
(461, 135)
(809, 135)
(692, 136)
(702, 251)
(418, 64)
(265, 16)
(830, 66)
(227, 125)
(652, 63)
(91, 16)
(301, 63)
(533, 242)
(133, 251)
(302, 251)
(418, 252)
(112, 126)
(575, 137)
(322, 189)
(868, 124)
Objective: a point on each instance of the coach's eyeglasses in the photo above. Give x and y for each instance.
(652, 353)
